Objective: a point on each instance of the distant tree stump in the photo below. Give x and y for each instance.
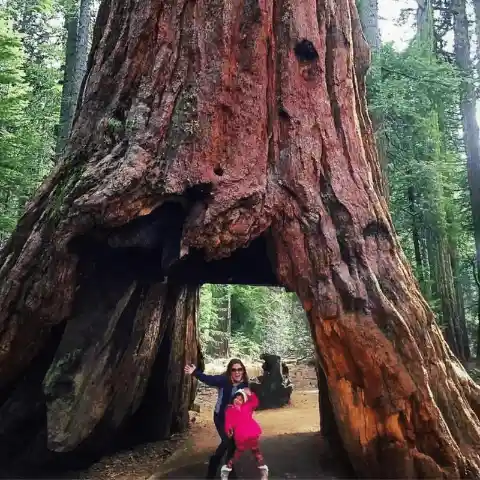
(273, 388)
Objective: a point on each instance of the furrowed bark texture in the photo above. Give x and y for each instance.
(207, 127)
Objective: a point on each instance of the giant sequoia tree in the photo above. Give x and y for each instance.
(222, 140)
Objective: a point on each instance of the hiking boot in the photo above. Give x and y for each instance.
(224, 472)
(263, 472)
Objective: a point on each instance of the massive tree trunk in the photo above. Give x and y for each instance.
(216, 137)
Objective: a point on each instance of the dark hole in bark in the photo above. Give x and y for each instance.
(283, 114)
(344, 249)
(305, 51)
(198, 192)
(146, 246)
(119, 114)
(218, 170)
(236, 268)
(378, 230)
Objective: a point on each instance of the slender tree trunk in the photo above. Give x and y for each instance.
(459, 295)
(476, 6)
(427, 290)
(449, 301)
(425, 24)
(369, 19)
(469, 118)
(225, 328)
(228, 329)
(67, 107)
(77, 26)
(444, 292)
(226, 133)
(82, 47)
(415, 235)
(477, 283)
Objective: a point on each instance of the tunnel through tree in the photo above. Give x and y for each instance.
(221, 138)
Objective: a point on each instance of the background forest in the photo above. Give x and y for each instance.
(422, 98)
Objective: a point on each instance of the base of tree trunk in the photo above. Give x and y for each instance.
(124, 357)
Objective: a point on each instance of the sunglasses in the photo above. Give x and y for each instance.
(237, 369)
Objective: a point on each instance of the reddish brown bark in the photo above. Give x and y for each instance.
(207, 127)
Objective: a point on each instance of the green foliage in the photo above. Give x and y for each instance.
(30, 69)
(262, 320)
(14, 93)
(417, 96)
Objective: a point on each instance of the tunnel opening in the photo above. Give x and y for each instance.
(149, 248)
(266, 327)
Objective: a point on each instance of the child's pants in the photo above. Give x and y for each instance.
(250, 444)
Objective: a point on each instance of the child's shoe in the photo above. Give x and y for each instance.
(224, 472)
(263, 472)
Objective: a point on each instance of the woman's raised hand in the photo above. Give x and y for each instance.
(189, 369)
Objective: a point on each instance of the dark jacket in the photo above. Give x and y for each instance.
(225, 390)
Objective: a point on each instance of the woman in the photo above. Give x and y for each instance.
(234, 379)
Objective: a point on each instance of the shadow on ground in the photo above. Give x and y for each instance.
(298, 455)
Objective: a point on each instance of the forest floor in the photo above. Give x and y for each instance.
(291, 445)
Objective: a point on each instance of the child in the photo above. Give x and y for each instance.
(240, 424)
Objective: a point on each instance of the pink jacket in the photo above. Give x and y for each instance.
(240, 420)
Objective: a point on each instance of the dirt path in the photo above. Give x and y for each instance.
(290, 443)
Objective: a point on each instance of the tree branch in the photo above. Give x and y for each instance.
(413, 77)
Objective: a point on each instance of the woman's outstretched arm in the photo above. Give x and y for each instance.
(210, 380)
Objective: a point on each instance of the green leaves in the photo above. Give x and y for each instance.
(29, 103)
(262, 320)
(417, 96)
